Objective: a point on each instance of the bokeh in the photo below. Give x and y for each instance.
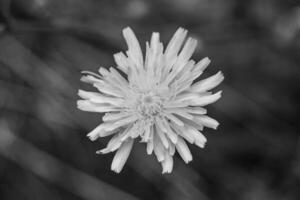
(44, 151)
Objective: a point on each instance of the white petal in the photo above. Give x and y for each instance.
(172, 149)
(146, 136)
(185, 54)
(170, 133)
(176, 42)
(115, 116)
(167, 163)
(118, 77)
(199, 138)
(150, 142)
(201, 65)
(87, 95)
(90, 79)
(208, 121)
(121, 61)
(158, 148)
(134, 49)
(103, 71)
(206, 99)
(152, 53)
(181, 112)
(108, 100)
(183, 150)
(209, 83)
(193, 122)
(161, 133)
(173, 48)
(186, 96)
(112, 145)
(181, 131)
(86, 105)
(121, 156)
(94, 134)
(122, 122)
(108, 89)
(174, 119)
(196, 110)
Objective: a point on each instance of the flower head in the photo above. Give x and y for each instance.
(158, 101)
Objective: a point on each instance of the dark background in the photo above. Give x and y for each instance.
(44, 152)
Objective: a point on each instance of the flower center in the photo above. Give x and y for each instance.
(149, 105)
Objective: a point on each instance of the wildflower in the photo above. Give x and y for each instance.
(157, 102)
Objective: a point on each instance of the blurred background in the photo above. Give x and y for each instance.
(44, 151)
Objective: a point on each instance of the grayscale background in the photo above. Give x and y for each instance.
(44, 151)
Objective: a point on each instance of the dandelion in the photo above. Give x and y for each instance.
(158, 101)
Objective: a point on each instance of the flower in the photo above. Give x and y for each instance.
(158, 101)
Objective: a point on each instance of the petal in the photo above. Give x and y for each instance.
(121, 156)
(94, 134)
(112, 145)
(206, 99)
(123, 122)
(150, 142)
(207, 121)
(90, 79)
(108, 89)
(173, 49)
(170, 133)
(115, 116)
(118, 77)
(198, 137)
(152, 53)
(134, 49)
(201, 65)
(158, 148)
(196, 110)
(146, 135)
(183, 150)
(174, 119)
(181, 112)
(160, 130)
(209, 83)
(183, 133)
(167, 163)
(172, 149)
(121, 61)
(185, 54)
(86, 105)
(193, 122)
(176, 42)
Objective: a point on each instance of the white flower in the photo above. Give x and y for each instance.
(157, 102)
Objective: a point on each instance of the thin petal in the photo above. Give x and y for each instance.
(121, 61)
(112, 145)
(209, 83)
(206, 99)
(174, 119)
(114, 116)
(185, 54)
(160, 130)
(167, 163)
(158, 148)
(121, 156)
(173, 48)
(208, 121)
(86, 105)
(183, 150)
(150, 142)
(201, 65)
(198, 137)
(123, 122)
(134, 49)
